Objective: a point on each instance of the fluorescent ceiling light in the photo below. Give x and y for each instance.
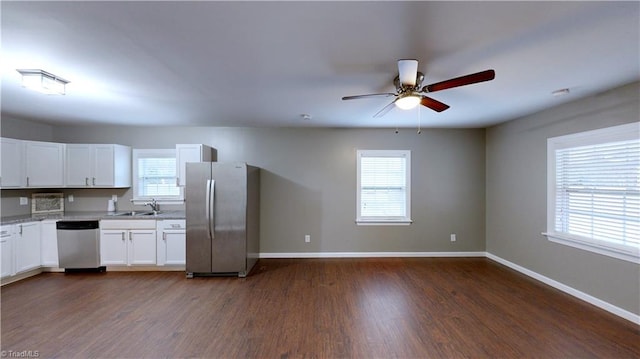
(43, 82)
(408, 101)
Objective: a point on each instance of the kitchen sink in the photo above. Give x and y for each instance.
(148, 213)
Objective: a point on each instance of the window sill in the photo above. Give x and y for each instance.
(378, 222)
(626, 253)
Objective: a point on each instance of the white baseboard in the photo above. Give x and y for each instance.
(632, 317)
(369, 254)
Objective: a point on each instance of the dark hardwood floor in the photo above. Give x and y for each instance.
(312, 308)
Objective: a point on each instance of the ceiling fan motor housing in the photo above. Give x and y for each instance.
(404, 88)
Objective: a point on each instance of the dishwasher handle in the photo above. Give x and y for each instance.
(77, 225)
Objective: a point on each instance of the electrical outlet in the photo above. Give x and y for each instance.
(307, 238)
(24, 201)
(70, 198)
(453, 237)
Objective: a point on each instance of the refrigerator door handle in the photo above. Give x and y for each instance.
(209, 210)
(212, 220)
(207, 215)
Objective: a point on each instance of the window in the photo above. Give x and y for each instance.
(594, 191)
(154, 176)
(384, 191)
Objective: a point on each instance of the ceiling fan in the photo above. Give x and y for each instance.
(409, 94)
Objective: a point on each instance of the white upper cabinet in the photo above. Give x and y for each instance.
(12, 166)
(98, 165)
(78, 162)
(44, 164)
(37, 164)
(191, 153)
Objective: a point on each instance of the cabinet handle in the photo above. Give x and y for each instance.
(122, 235)
(93, 181)
(177, 181)
(86, 181)
(164, 236)
(20, 233)
(130, 236)
(27, 181)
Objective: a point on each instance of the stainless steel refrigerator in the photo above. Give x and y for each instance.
(223, 218)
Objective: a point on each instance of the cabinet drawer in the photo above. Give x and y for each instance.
(128, 224)
(175, 224)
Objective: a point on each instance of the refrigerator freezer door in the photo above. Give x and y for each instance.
(197, 206)
(229, 247)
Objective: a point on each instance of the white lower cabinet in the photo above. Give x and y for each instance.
(171, 242)
(127, 242)
(145, 242)
(27, 246)
(7, 263)
(49, 243)
(20, 248)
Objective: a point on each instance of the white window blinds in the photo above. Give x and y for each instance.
(383, 186)
(157, 177)
(154, 172)
(598, 191)
(596, 188)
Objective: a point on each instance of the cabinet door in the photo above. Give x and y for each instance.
(103, 166)
(49, 242)
(78, 163)
(12, 166)
(175, 244)
(113, 247)
(190, 153)
(6, 252)
(142, 247)
(45, 164)
(28, 250)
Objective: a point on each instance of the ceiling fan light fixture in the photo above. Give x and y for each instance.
(408, 101)
(44, 82)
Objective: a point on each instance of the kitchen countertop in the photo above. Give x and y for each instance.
(90, 215)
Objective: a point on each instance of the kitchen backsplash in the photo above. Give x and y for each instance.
(93, 199)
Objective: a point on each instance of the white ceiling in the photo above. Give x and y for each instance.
(266, 63)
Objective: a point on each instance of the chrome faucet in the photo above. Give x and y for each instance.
(154, 205)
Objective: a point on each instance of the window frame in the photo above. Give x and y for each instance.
(381, 220)
(160, 153)
(606, 135)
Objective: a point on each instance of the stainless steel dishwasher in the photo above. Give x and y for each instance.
(79, 246)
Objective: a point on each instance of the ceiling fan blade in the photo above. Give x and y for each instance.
(433, 104)
(461, 81)
(407, 71)
(368, 96)
(385, 109)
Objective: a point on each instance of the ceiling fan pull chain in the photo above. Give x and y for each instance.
(419, 124)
